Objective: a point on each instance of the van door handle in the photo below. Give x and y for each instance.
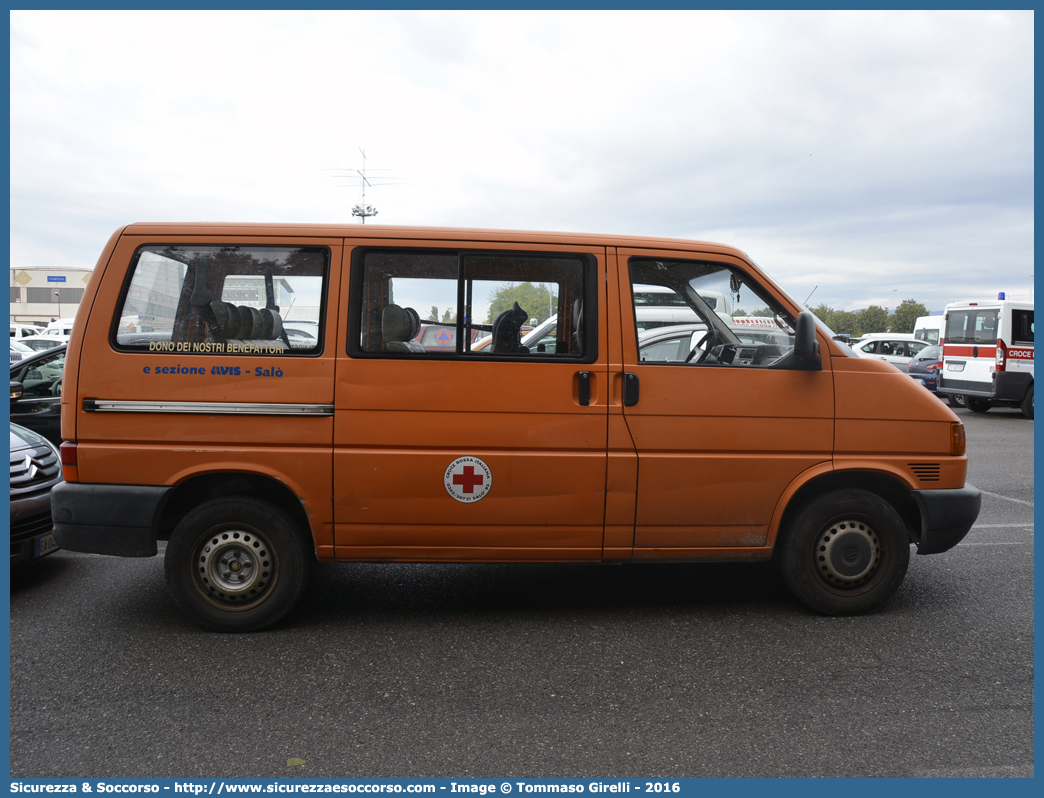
(585, 387)
(630, 396)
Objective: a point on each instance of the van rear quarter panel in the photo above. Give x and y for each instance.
(75, 348)
(166, 449)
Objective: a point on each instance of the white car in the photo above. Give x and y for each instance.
(675, 343)
(20, 331)
(894, 348)
(20, 351)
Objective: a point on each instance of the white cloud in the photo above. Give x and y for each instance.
(876, 154)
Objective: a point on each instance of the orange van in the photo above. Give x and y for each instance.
(278, 408)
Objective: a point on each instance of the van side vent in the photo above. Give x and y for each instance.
(926, 472)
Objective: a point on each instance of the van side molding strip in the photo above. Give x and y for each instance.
(205, 408)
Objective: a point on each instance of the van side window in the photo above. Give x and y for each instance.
(470, 305)
(223, 300)
(1022, 326)
(709, 314)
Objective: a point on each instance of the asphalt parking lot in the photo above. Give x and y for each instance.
(545, 670)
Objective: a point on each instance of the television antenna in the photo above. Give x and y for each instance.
(362, 209)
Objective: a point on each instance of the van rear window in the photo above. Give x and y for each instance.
(971, 327)
(223, 300)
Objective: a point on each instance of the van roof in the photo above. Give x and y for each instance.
(417, 233)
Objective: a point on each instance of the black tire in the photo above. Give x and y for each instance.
(1027, 403)
(977, 405)
(955, 399)
(237, 564)
(844, 552)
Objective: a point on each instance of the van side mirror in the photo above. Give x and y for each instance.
(806, 347)
(16, 391)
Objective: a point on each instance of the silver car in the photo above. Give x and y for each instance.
(36, 467)
(894, 348)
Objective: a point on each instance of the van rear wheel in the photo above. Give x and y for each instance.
(236, 564)
(977, 405)
(955, 400)
(1027, 403)
(845, 552)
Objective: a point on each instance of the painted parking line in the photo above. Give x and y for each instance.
(999, 496)
(998, 543)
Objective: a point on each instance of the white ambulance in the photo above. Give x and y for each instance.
(988, 354)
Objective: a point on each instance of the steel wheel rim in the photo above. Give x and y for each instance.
(847, 553)
(234, 567)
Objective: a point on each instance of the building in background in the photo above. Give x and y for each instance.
(39, 295)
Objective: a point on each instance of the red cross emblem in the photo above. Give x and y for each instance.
(468, 479)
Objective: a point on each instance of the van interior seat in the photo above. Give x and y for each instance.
(399, 326)
(243, 323)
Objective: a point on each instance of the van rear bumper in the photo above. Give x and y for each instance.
(1006, 386)
(107, 519)
(946, 516)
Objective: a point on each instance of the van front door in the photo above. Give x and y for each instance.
(721, 432)
(458, 436)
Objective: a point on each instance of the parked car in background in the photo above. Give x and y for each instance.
(988, 354)
(894, 348)
(924, 367)
(929, 328)
(41, 343)
(35, 469)
(676, 343)
(37, 381)
(21, 331)
(59, 327)
(20, 351)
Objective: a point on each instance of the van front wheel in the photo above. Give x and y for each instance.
(236, 564)
(844, 552)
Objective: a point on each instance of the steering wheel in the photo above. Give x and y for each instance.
(56, 389)
(710, 340)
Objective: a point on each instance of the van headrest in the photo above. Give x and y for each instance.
(399, 324)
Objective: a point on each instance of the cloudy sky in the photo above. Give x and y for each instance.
(880, 156)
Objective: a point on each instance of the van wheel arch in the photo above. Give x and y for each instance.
(888, 488)
(204, 487)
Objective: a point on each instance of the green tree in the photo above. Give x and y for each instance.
(873, 319)
(846, 322)
(535, 300)
(825, 314)
(906, 314)
(449, 317)
(433, 314)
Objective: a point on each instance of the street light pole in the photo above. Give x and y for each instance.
(58, 295)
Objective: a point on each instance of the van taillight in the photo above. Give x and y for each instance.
(958, 444)
(69, 469)
(1000, 355)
